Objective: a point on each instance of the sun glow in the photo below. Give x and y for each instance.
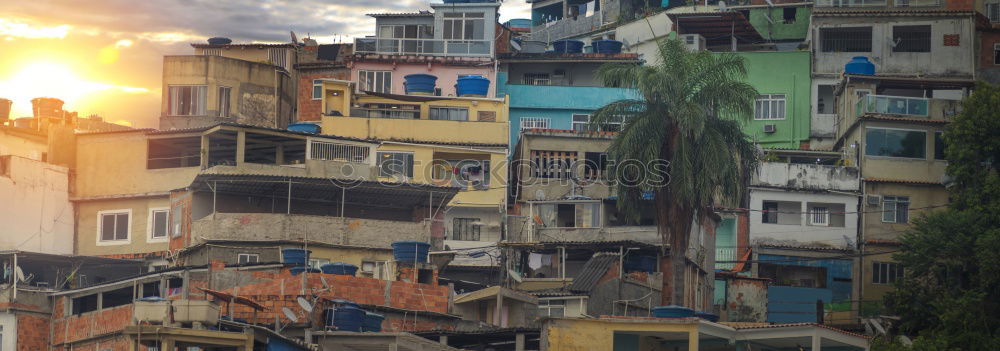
(50, 79)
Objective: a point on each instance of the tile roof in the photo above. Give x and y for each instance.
(901, 181)
(422, 13)
(591, 273)
(745, 326)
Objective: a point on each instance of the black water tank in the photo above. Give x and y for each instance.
(219, 41)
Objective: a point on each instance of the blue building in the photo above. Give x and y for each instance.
(555, 90)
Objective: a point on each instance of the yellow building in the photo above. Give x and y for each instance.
(450, 141)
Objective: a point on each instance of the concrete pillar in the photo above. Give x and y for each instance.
(204, 151)
(693, 340)
(817, 343)
(519, 342)
(168, 344)
(241, 147)
(443, 339)
(279, 155)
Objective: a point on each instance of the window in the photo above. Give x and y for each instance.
(569, 214)
(939, 146)
(277, 57)
(595, 165)
(318, 262)
(792, 275)
(117, 297)
(449, 113)
(895, 143)
(993, 11)
(317, 89)
(886, 272)
(244, 258)
(851, 39)
(536, 79)
(580, 122)
(224, 100)
(462, 173)
(552, 308)
(375, 81)
(389, 111)
(911, 38)
(819, 216)
(464, 25)
(769, 107)
(113, 226)
(465, 229)
(770, 212)
(84, 304)
(187, 100)
(408, 31)
(535, 123)
(158, 224)
(395, 164)
(376, 269)
(788, 14)
(895, 209)
(553, 164)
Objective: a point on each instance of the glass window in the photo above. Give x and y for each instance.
(393, 164)
(993, 11)
(464, 25)
(939, 146)
(580, 122)
(886, 272)
(552, 308)
(895, 209)
(895, 143)
(770, 212)
(850, 39)
(158, 224)
(770, 107)
(449, 113)
(535, 123)
(224, 101)
(375, 81)
(317, 89)
(465, 229)
(114, 225)
(186, 100)
(911, 38)
(247, 258)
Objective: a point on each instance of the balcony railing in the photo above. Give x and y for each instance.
(724, 258)
(894, 105)
(850, 3)
(430, 47)
(916, 3)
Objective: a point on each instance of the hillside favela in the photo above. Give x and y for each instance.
(488, 175)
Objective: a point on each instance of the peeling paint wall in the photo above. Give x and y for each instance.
(746, 300)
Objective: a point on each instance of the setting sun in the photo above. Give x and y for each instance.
(51, 79)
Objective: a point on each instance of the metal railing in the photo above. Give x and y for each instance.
(916, 3)
(850, 3)
(893, 105)
(430, 47)
(321, 150)
(727, 255)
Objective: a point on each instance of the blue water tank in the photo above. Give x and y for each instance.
(343, 302)
(523, 23)
(672, 311)
(345, 317)
(472, 86)
(294, 257)
(455, 1)
(860, 65)
(373, 322)
(711, 317)
(419, 83)
(299, 269)
(410, 251)
(607, 46)
(304, 127)
(339, 268)
(568, 46)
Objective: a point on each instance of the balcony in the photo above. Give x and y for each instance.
(481, 132)
(724, 258)
(851, 3)
(916, 3)
(555, 96)
(893, 105)
(426, 47)
(807, 176)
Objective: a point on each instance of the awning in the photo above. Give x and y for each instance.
(229, 298)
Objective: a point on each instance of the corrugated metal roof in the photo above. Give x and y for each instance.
(592, 272)
(422, 13)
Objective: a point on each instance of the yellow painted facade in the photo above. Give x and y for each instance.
(487, 118)
(139, 241)
(599, 334)
(114, 165)
(428, 169)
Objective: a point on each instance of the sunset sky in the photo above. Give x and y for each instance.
(105, 57)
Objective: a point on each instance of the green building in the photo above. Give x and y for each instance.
(782, 110)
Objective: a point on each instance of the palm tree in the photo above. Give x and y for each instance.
(687, 113)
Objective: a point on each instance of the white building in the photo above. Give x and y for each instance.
(34, 206)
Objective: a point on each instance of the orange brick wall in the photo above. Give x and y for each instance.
(32, 333)
(78, 327)
(309, 109)
(987, 39)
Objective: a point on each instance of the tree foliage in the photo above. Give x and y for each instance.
(687, 115)
(950, 297)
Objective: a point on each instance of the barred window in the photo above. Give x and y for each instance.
(465, 229)
(852, 39)
(911, 39)
(535, 123)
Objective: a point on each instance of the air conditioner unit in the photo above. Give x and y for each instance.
(873, 200)
(770, 128)
(694, 42)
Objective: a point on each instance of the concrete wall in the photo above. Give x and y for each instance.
(23, 143)
(35, 207)
(8, 331)
(260, 95)
(645, 234)
(597, 334)
(942, 60)
(577, 74)
(571, 27)
(921, 197)
(606, 299)
(554, 189)
(139, 241)
(330, 230)
(798, 231)
(781, 72)
(770, 23)
(807, 176)
(115, 164)
(642, 36)
(746, 300)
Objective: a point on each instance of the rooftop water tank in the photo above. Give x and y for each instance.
(533, 46)
(219, 41)
(47, 107)
(420, 84)
(346, 317)
(607, 46)
(299, 269)
(294, 257)
(472, 86)
(860, 65)
(410, 251)
(373, 322)
(708, 316)
(5, 110)
(568, 46)
(339, 268)
(672, 311)
(522, 23)
(304, 128)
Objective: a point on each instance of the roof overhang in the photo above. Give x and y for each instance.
(716, 27)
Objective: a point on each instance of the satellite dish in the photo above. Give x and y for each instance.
(306, 306)
(295, 39)
(291, 315)
(515, 45)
